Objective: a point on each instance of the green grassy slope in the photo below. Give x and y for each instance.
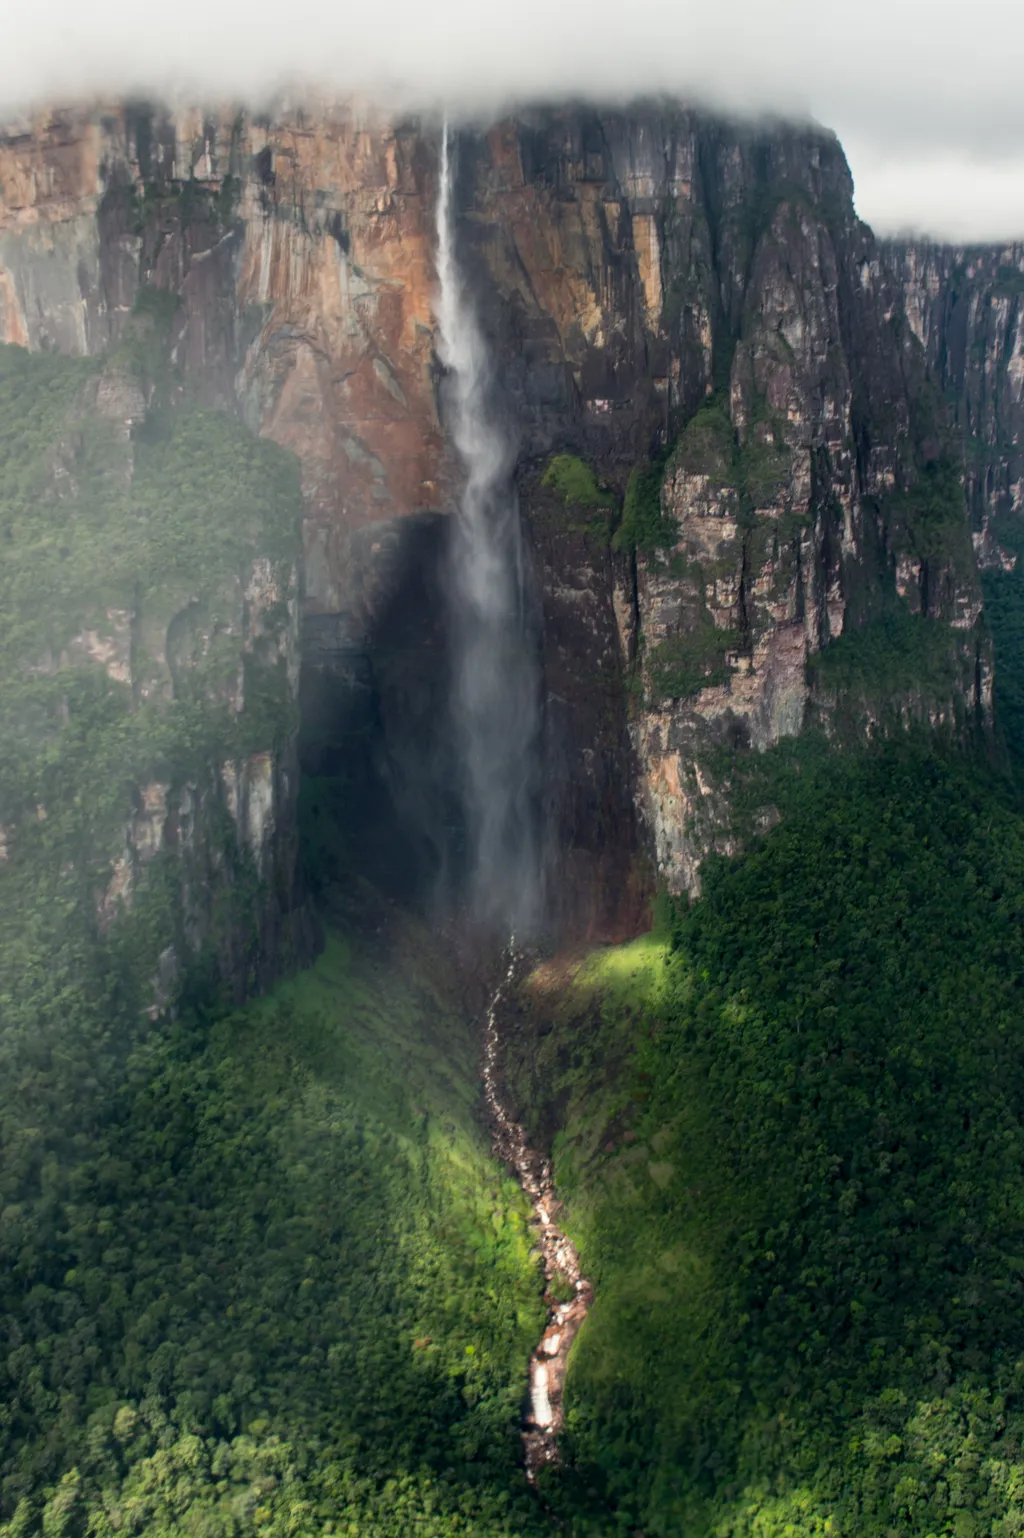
(790, 1131)
(278, 1286)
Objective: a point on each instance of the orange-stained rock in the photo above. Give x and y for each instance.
(303, 255)
(625, 266)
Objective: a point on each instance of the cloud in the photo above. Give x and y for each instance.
(949, 197)
(925, 99)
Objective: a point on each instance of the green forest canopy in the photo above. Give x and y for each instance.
(790, 1135)
(275, 1284)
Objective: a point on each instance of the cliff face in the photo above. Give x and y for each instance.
(663, 285)
(965, 305)
(303, 256)
(689, 308)
(149, 651)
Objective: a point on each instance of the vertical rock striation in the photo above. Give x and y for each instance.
(668, 286)
(666, 294)
(965, 306)
(149, 679)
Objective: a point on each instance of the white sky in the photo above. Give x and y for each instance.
(927, 98)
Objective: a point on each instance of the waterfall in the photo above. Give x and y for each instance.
(495, 678)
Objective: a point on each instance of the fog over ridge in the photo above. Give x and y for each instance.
(926, 104)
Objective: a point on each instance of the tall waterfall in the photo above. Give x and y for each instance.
(495, 684)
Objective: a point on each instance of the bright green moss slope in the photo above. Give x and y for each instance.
(278, 1286)
(790, 1136)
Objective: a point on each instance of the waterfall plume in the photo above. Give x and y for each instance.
(495, 711)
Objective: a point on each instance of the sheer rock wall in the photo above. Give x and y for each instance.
(628, 265)
(965, 306)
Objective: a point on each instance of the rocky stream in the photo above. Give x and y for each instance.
(568, 1294)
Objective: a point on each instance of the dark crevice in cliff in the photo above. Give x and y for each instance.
(723, 338)
(634, 611)
(743, 597)
(804, 577)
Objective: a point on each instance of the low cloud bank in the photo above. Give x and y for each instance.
(926, 103)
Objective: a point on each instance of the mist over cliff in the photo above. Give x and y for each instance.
(573, 520)
(930, 121)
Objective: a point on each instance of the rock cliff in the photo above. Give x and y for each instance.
(686, 310)
(965, 305)
(148, 772)
(697, 303)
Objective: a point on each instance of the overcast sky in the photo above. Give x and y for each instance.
(928, 100)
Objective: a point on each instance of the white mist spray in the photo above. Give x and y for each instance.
(495, 709)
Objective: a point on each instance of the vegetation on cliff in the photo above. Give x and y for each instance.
(644, 525)
(789, 1133)
(759, 468)
(122, 665)
(707, 445)
(574, 481)
(577, 502)
(692, 660)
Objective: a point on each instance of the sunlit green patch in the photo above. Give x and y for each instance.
(307, 1284)
(789, 1141)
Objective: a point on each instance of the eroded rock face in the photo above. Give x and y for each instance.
(627, 266)
(599, 873)
(965, 306)
(302, 252)
(636, 265)
(224, 824)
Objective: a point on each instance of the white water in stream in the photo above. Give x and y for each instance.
(549, 1360)
(495, 708)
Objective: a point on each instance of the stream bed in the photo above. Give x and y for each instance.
(568, 1294)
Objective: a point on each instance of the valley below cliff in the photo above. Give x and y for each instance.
(310, 1203)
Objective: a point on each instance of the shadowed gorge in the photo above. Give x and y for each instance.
(421, 540)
